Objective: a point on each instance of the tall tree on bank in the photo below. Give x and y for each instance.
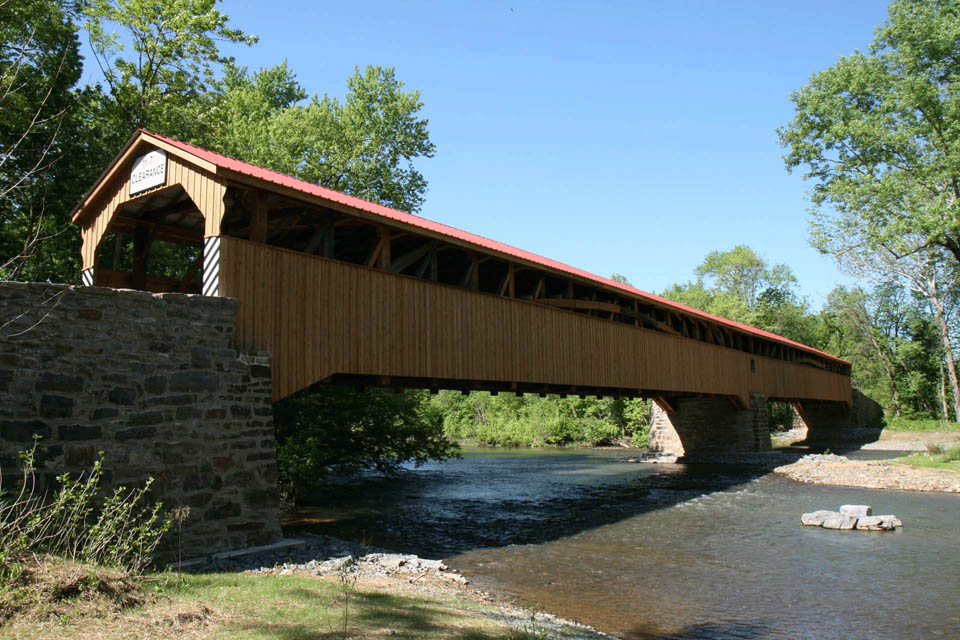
(740, 285)
(879, 133)
(925, 270)
(854, 317)
(39, 65)
(744, 275)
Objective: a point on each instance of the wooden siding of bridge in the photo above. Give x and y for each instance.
(320, 317)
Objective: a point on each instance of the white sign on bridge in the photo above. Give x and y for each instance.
(148, 171)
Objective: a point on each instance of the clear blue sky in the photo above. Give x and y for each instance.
(630, 137)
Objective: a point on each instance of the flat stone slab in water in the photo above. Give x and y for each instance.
(816, 518)
(839, 521)
(856, 510)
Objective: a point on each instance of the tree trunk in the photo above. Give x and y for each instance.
(863, 322)
(890, 370)
(948, 352)
(943, 392)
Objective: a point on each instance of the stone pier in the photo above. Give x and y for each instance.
(709, 425)
(831, 424)
(154, 381)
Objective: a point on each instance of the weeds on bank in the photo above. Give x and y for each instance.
(919, 424)
(935, 457)
(74, 523)
(70, 540)
(346, 585)
(532, 629)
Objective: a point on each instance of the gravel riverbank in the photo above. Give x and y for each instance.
(832, 469)
(366, 567)
(873, 474)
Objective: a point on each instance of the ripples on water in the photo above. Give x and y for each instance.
(663, 551)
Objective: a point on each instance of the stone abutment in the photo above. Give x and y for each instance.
(832, 425)
(156, 383)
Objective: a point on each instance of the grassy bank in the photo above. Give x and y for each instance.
(61, 600)
(936, 457)
(902, 425)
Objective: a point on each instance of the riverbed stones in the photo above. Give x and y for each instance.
(839, 521)
(856, 510)
(851, 516)
(816, 518)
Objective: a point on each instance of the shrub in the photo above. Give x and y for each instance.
(338, 429)
(73, 522)
(933, 449)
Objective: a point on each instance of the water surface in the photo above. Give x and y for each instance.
(668, 551)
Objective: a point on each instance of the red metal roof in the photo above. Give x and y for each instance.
(480, 242)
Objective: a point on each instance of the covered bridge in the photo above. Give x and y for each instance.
(341, 290)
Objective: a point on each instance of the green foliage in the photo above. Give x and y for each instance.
(364, 146)
(878, 133)
(919, 424)
(739, 285)
(161, 64)
(892, 341)
(744, 275)
(338, 429)
(935, 458)
(39, 63)
(508, 419)
(779, 415)
(74, 522)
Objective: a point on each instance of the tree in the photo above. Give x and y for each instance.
(164, 80)
(879, 133)
(740, 272)
(855, 318)
(739, 285)
(39, 64)
(891, 336)
(364, 146)
(338, 429)
(924, 269)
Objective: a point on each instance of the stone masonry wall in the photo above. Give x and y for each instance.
(156, 383)
(710, 425)
(831, 424)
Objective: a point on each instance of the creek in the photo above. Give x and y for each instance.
(664, 550)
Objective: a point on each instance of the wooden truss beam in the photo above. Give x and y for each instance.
(410, 257)
(568, 303)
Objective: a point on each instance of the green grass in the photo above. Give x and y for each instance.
(227, 606)
(919, 424)
(936, 458)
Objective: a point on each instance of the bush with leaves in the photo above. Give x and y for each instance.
(341, 429)
(73, 522)
(528, 420)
